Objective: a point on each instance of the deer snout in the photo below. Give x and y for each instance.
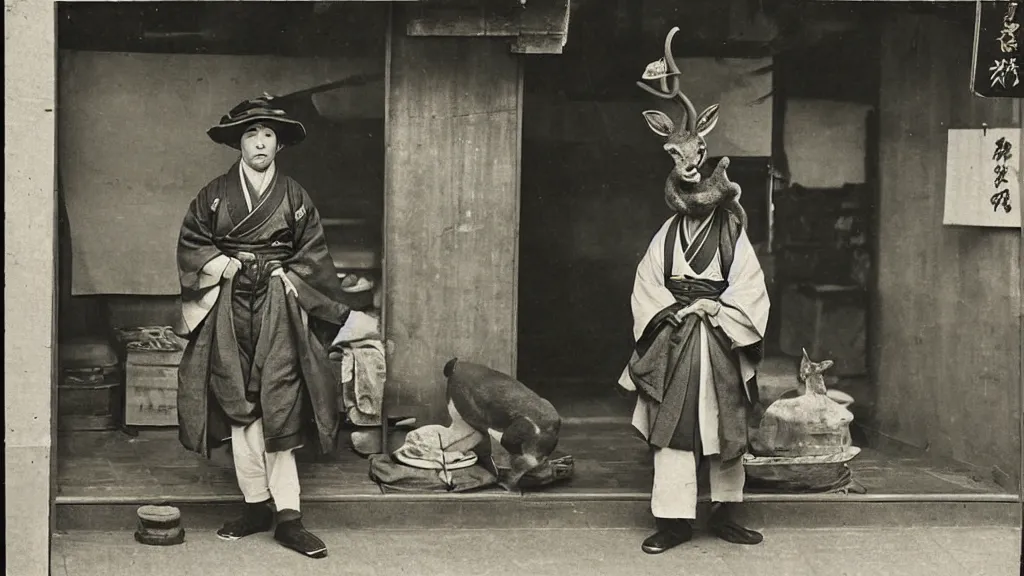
(690, 174)
(687, 165)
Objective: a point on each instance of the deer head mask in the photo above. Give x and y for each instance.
(685, 190)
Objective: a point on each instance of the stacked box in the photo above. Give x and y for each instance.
(152, 356)
(90, 387)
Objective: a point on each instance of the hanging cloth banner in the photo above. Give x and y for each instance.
(982, 181)
(997, 57)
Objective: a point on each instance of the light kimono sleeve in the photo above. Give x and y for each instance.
(744, 312)
(201, 264)
(650, 298)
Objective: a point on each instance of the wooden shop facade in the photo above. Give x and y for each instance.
(412, 160)
(490, 172)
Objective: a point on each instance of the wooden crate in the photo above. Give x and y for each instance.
(151, 388)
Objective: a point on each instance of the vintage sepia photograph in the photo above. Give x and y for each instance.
(470, 287)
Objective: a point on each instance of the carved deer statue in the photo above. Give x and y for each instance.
(686, 191)
(804, 424)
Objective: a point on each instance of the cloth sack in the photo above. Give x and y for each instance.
(392, 476)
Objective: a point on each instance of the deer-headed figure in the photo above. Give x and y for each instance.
(686, 191)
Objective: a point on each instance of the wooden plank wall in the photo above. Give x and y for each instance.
(948, 343)
(451, 212)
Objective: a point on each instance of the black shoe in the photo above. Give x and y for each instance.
(258, 517)
(671, 533)
(722, 526)
(292, 534)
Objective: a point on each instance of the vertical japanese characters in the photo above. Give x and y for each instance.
(1001, 197)
(1004, 71)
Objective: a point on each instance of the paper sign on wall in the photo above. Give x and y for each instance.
(982, 181)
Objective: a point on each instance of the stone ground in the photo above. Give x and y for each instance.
(785, 552)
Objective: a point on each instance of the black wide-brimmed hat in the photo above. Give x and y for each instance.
(258, 110)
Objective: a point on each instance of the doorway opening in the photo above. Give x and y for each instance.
(593, 175)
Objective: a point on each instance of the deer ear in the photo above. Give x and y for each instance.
(659, 122)
(825, 365)
(707, 120)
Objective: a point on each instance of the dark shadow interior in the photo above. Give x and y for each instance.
(593, 175)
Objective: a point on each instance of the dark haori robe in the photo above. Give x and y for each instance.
(673, 359)
(252, 352)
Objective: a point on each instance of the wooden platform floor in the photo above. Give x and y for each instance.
(611, 462)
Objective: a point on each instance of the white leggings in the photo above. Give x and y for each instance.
(675, 483)
(263, 474)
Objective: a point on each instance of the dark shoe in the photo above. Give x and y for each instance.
(723, 527)
(292, 534)
(671, 533)
(258, 517)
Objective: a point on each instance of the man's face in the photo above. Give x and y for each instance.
(259, 147)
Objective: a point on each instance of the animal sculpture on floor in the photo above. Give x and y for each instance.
(807, 424)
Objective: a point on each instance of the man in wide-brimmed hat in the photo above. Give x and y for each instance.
(256, 278)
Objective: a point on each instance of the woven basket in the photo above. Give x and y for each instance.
(809, 474)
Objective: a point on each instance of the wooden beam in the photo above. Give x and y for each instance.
(539, 27)
(462, 22)
(538, 44)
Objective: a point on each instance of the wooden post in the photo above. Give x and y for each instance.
(30, 303)
(451, 214)
(1019, 122)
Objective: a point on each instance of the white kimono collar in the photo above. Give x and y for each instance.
(268, 176)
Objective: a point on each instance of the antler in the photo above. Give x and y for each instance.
(674, 92)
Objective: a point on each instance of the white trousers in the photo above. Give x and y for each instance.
(261, 474)
(674, 494)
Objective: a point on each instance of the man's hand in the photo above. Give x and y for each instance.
(702, 307)
(234, 265)
(289, 288)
